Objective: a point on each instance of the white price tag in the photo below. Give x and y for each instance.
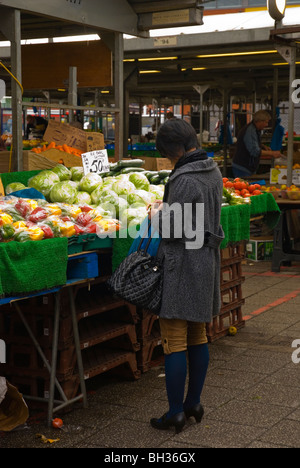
(95, 161)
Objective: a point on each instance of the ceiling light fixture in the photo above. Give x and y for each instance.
(150, 59)
(234, 54)
(283, 63)
(149, 71)
(276, 9)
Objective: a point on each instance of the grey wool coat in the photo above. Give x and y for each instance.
(191, 288)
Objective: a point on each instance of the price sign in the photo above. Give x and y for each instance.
(95, 161)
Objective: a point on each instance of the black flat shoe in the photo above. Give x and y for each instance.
(196, 411)
(164, 423)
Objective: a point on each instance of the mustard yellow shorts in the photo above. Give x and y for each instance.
(177, 334)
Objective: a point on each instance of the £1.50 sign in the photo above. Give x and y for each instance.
(95, 161)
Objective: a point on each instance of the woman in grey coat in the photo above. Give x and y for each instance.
(188, 221)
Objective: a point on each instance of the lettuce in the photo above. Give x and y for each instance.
(64, 192)
(43, 181)
(90, 182)
(139, 180)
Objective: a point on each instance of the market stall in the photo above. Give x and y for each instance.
(56, 287)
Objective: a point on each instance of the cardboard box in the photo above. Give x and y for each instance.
(259, 249)
(49, 159)
(62, 134)
(279, 176)
(5, 163)
(155, 164)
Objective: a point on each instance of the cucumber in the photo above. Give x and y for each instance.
(113, 167)
(107, 174)
(165, 180)
(127, 170)
(149, 174)
(164, 173)
(155, 179)
(131, 163)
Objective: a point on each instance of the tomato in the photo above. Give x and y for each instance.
(57, 423)
(229, 184)
(256, 192)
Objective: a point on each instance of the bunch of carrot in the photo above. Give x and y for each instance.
(52, 145)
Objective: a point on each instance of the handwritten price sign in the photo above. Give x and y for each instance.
(95, 161)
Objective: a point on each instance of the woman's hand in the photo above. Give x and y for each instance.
(153, 208)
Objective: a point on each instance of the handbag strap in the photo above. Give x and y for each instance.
(143, 237)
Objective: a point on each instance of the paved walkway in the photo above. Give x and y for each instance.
(251, 396)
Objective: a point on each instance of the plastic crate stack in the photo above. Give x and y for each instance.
(231, 293)
(107, 331)
(148, 335)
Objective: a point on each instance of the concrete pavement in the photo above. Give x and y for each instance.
(251, 396)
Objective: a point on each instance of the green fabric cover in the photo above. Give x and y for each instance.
(32, 266)
(22, 177)
(235, 221)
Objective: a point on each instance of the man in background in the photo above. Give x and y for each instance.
(249, 148)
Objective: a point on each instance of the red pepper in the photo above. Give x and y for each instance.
(85, 208)
(23, 207)
(83, 219)
(78, 230)
(65, 218)
(90, 228)
(38, 215)
(48, 233)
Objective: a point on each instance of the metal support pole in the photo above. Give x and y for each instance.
(72, 96)
(289, 54)
(291, 117)
(201, 90)
(119, 95)
(16, 69)
(225, 129)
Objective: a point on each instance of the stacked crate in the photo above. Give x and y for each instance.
(107, 331)
(148, 335)
(231, 293)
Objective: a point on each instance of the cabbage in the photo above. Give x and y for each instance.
(62, 171)
(77, 173)
(123, 187)
(108, 195)
(157, 190)
(111, 202)
(82, 198)
(43, 181)
(14, 187)
(96, 194)
(133, 215)
(64, 192)
(141, 197)
(139, 180)
(89, 182)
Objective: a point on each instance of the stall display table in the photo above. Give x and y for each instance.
(283, 251)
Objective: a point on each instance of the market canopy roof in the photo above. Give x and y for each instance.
(55, 18)
(234, 50)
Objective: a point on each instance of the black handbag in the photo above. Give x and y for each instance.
(139, 279)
